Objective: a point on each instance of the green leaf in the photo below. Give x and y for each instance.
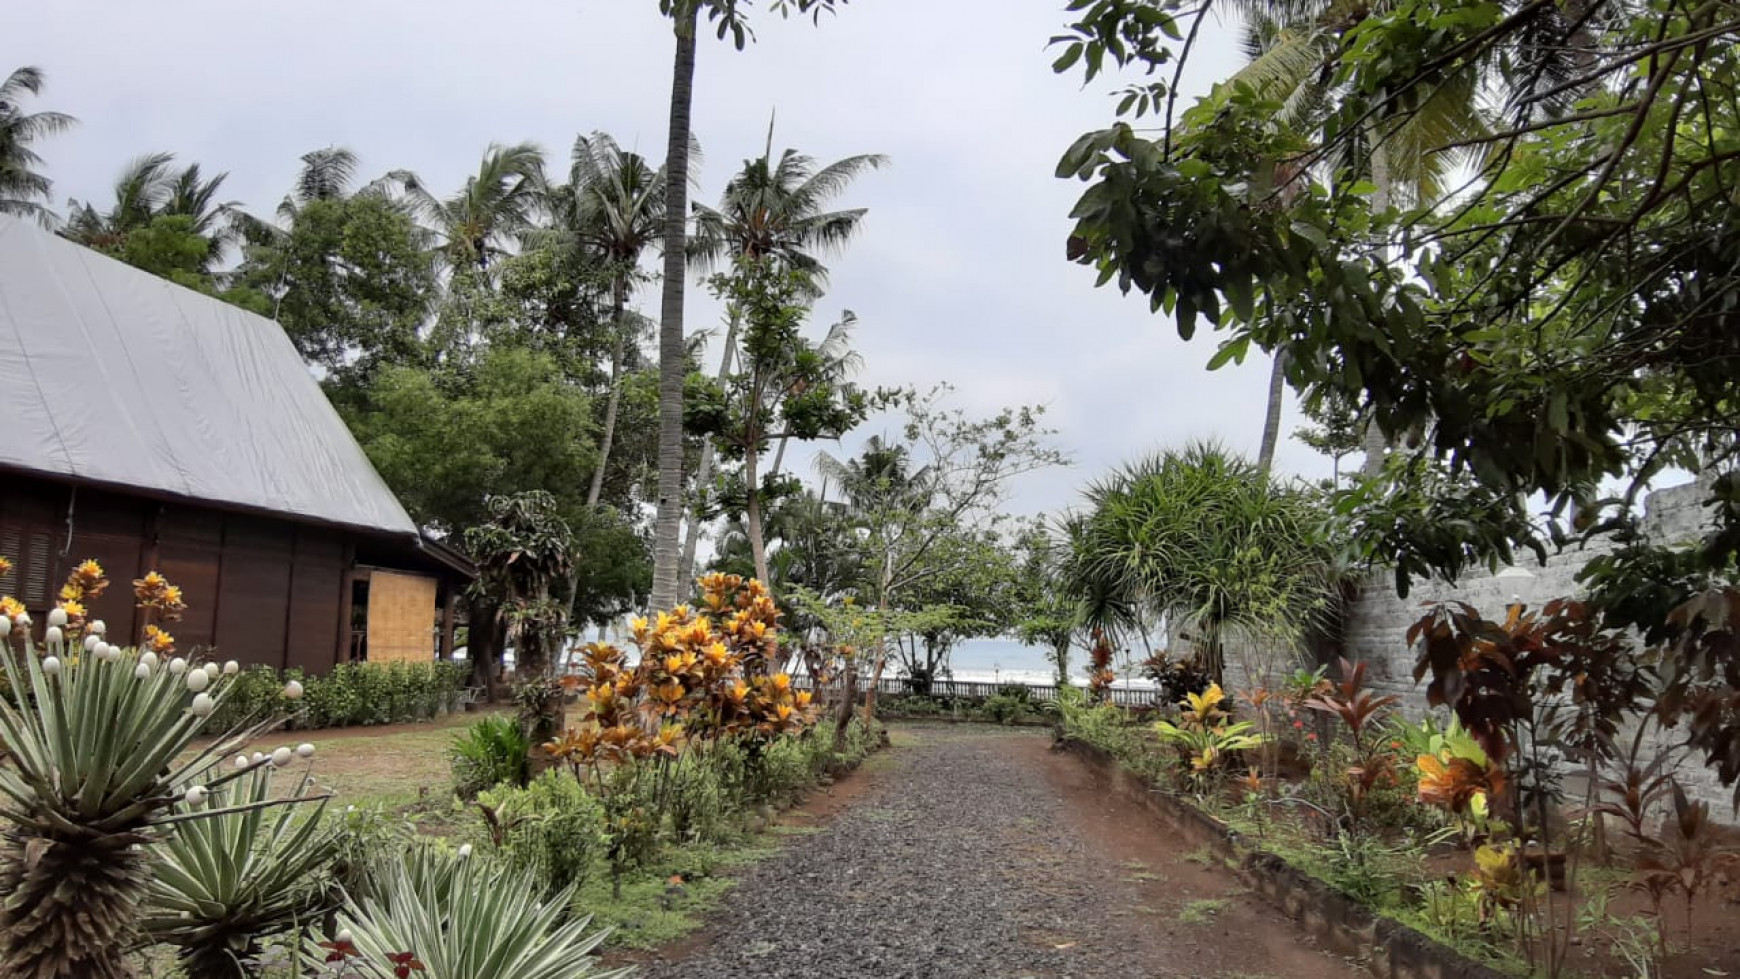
(1070, 56)
(1230, 352)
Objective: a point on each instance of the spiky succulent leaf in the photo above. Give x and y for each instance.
(464, 919)
(222, 883)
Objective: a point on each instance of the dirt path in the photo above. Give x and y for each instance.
(977, 852)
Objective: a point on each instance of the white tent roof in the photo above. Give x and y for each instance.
(116, 376)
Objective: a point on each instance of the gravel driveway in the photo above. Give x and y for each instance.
(977, 852)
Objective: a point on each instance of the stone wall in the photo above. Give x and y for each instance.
(1377, 621)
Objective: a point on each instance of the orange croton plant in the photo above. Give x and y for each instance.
(701, 676)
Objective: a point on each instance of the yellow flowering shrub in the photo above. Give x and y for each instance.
(700, 676)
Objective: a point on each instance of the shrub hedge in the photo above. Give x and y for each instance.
(351, 695)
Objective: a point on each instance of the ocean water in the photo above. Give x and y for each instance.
(1000, 660)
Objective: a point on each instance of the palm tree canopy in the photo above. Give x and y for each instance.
(881, 475)
(496, 205)
(614, 199)
(23, 187)
(150, 187)
(1291, 43)
(777, 209)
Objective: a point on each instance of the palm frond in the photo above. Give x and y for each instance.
(326, 174)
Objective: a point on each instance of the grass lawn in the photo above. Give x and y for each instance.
(391, 766)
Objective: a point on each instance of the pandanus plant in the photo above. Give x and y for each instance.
(97, 768)
(223, 884)
(446, 917)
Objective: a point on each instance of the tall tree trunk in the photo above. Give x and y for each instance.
(778, 456)
(752, 515)
(618, 299)
(1272, 420)
(668, 526)
(881, 638)
(704, 468)
(1377, 445)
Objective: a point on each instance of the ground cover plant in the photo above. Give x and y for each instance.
(1458, 824)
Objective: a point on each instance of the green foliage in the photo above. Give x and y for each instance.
(348, 280)
(350, 695)
(221, 885)
(24, 190)
(1009, 704)
(469, 920)
(1115, 732)
(1555, 329)
(493, 751)
(553, 829)
(1202, 912)
(449, 440)
(364, 837)
(525, 556)
(1203, 538)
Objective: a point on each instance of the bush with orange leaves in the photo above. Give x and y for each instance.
(700, 682)
(700, 678)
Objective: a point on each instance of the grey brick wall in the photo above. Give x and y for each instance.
(1377, 621)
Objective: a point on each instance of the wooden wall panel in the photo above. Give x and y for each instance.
(253, 605)
(401, 618)
(315, 601)
(119, 557)
(190, 553)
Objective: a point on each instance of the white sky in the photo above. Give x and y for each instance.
(958, 273)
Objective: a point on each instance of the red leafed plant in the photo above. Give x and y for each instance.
(1349, 700)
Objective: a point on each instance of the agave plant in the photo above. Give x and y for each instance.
(98, 766)
(223, 884)
(445, 917)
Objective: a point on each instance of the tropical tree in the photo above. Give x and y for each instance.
(502, 200)
(149, 189)
(729, 18)
(348, 279)
(614, 202)
(525, 558)
(1338, 431)
(450, 438)
(950, 474)
(326, 175)
(1047, 614)
(1203, 540)
(23, 187)
(773, 210)
(139, 195)
(786, 387)
(1406, 159)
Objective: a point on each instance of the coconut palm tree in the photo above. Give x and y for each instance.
(151, 187)
(685, 15)
(1289, 42)
(139, 194)
(673, 362)
(326, 175)
(775, 209)
(23, 188)
(614, 202)
(492, 209)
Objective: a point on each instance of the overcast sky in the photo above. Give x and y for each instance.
(958, 273)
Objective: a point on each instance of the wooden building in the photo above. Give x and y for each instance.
(149, 426)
